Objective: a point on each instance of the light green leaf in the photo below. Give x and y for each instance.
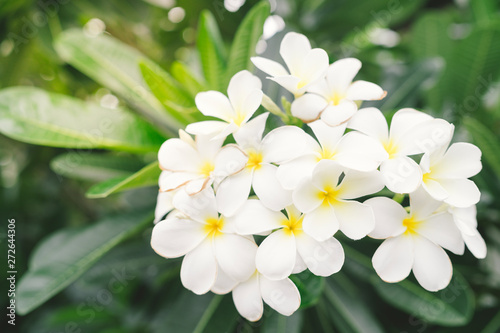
(147, 176)
(430, 35)
(212, 52)
(246, 38)
(95, 167)
(185, 77)
(115, 65)
(35, 116)
(63, 257)
(487, 141)
(485, 12)
(277, 323)
(310, 287)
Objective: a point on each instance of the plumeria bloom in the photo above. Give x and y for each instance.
(414, 241)
(334, 97)
(206, 240)
(278, 146)
(288, 249)
(445, 174)
(245, 96)
(305, 65)
(466, 222)
(412, 132)
(328, 205)
(281, 295)
(195, 165)
(353, 151)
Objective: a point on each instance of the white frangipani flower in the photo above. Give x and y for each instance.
(281, 295)
(354, 150)
(305, 65)
(163, 204)
(333, 98)
(278, 146)
(194, 165)
(207, 240)
(414, 241)
(445, 174)
(288, 249)
(466, 222)
(412, 132)
(245, 96)
(328, 205)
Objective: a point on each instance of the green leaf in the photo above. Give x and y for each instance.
(485, 12)
(310, 287)
(185, 77)
(486, 140)
(167, 90)
(147, 176)
(430, 35)
(35, 116)
(115, 65)
(211, 49)
(277, 323)
(95, 167)
(246, 38)
(63, 257)
(349, 312)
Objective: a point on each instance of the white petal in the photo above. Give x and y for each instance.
(327, 173)
(404, 120)
(207, 127)
(401, 174)
(163, 205)
(462, 192)
(461, 160)
(308, 107)
(199, 207)
(283, 296)
(285, 143)
(435, 189)
(233, 192)
(291, 173)
(250, 134)
(356, 220)
(170, 181)
(476, 245)
(364, 91)
(235, 255)
(242, 85)
(389, 216)
(230, 160)
(199, 268)
(223, 283)
(276, 255)
(357, 184)
(422, 205)
(215, 104)
(465, 218)
(341, 73)
(269, 67)
(269, 190)
(248, 300)
(177, 155)
(327, 136)
(322, 258)
(393, 259)
(174, 237)
(372, 122)
(208, 146)
(305, 196)
(423, 137)
(313, 67)
(251, 104)
(255, 218)
(293, 49)
(335, 115)
(300, 265)
(321, 223)
(197, 185)
(431, 266)
(288, 82)
(440, 229)
(360, 152)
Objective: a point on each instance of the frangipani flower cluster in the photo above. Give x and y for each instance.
(246, 215)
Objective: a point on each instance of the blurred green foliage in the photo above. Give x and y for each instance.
(438, 56)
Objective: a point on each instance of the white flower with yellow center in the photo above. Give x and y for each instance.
(305, 65)
(213, 252)
(445, 174)
(466, 222)
(245, 96)
(334, 97)
(287, 249)
(195, 165)
(414, 241)
(412, 132)
(328, 206)
(278, 146)
(354, 150)
(281, 295)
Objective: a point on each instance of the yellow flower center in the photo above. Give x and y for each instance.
(206, 168)
(301, 84)
(238, 118)
(391, 148)
(293, 225)
(254, 160)
(427, 176)
(326, 154)
(214, 226)
(328, 195)
(411, 225)
(336, 98)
